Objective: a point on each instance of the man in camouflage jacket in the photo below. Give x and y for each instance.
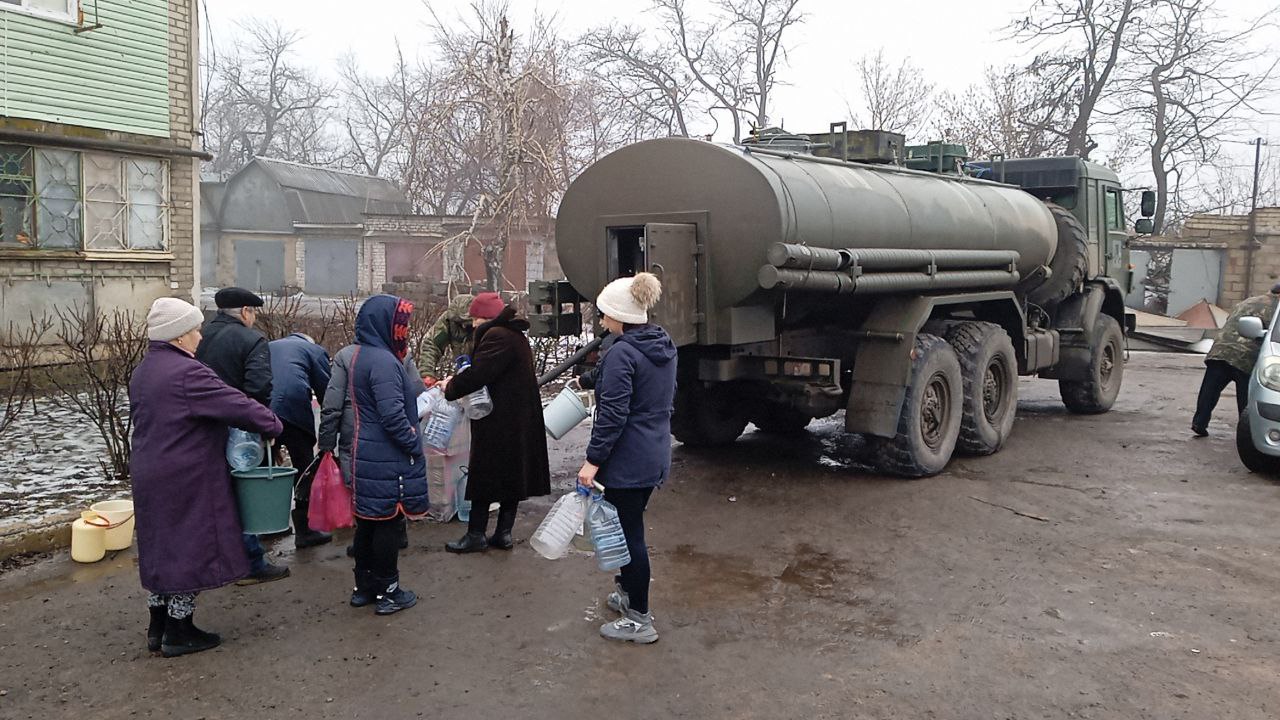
(1232, 357)
(448, 338)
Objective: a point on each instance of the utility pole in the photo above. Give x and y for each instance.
(1257, 166)
(1253, 219)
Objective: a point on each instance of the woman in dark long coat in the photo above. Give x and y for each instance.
(187, 522)
(389, 470)
(508, 446)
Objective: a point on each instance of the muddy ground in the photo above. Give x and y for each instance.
(788, 584)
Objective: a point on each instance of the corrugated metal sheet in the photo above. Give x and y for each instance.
(113, 78)
(318, 196)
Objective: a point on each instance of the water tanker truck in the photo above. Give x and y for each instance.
(803, 275)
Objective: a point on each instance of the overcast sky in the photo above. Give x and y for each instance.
(950, 41)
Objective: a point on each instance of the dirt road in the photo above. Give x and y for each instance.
(1140, 581)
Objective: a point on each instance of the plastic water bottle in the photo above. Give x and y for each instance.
(479, 403)
(607, 535)
(461, 505)
(552, 538)
(244, 449)
(439, 425)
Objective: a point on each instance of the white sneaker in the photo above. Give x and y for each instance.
(631, 627)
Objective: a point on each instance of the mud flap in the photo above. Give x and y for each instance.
(882, 365)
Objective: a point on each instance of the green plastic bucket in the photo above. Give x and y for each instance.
(265, 497)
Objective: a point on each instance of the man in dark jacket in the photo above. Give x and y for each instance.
(240, 356)
(299, 371)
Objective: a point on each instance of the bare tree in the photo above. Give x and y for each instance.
(644, 80)
(1011, 113)
(260, 102)
(735, 56)
(893, 98)
(1193, 83)
(19, 352)
(374, 116)
(101, 351)
(1084, 43)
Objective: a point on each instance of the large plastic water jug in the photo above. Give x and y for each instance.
(606, 535)
(462, 506)
(552, 538)
(479, 403)
(89, 537)
(244, 449)
(439, 424)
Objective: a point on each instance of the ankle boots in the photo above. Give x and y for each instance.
(182, 637)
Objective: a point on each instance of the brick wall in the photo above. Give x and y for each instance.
(1234, 230)
(530, 253)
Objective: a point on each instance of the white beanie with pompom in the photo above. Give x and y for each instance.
(628, 300)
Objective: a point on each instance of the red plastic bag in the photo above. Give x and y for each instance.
(330, 499)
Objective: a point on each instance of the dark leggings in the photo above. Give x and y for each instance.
(377, 547)
(634, 576)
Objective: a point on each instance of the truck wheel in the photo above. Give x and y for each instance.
(1070, 262)
(1106, 371)
(707, 416)
(776, 420)
(1256, 461)
(990, 372)
(929, 423)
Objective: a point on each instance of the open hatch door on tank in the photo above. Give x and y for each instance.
(671, 249)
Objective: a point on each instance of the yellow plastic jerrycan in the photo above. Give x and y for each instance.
(89, 537)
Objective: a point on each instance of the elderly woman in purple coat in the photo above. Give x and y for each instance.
(188, 525)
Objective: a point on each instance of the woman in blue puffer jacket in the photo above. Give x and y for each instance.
(389, 471)
(630, 449)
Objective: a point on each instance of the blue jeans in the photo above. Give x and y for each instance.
(255, 552)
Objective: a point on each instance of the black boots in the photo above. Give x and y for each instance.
(182, 637)
(303, 535)
(155, 630)
(501, 539)
(393, 598)
(365, 592)
(469, 543)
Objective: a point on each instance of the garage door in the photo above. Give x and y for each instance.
(260, 265)
(330, 266)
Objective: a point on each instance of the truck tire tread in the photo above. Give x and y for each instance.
(1069, 264)
(905, 454)
(1097, 395)
(977, 344)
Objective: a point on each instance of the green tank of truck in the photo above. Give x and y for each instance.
(806, 274)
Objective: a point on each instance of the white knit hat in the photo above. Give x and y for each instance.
(628, 300)
(171, 318)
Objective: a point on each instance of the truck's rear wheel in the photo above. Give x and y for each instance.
(780, 420)
(989, 369)
(1106, 371)
(929, 423)
(1070, 262)
(707, 415)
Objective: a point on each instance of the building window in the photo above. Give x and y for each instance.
(66, 200)
(64, 10)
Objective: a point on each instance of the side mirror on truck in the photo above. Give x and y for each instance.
(1148, 203)
(1144, 226)
(1251, 327)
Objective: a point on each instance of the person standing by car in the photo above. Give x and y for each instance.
(241, 357)
(299, 371)
(187, 522)
(388, 468)
(1231, 358)
(509, 445)
(630, 449)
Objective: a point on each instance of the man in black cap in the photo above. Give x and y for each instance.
(240, 356)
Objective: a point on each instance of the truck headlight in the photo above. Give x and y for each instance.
(1269, 372)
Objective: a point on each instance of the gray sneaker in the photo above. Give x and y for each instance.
(618, 600)
(631, 627)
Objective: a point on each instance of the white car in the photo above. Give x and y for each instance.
(1258, 432)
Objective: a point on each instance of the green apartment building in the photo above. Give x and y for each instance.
(99, 159)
